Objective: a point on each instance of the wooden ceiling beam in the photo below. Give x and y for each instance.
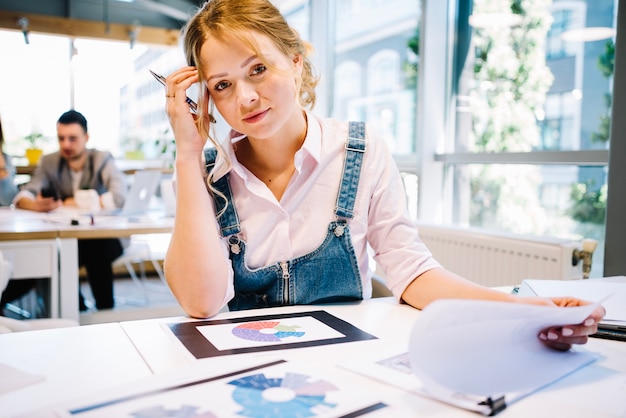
(88, 29)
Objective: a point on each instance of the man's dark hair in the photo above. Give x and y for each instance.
(72, 116)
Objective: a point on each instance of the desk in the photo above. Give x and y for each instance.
(75, 361)
(598, 390)
(38, 236)
(104, 227)
(126, 166)
(25, 237)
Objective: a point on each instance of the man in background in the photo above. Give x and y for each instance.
(54, 183)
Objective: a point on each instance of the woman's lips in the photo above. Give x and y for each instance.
(256, 117)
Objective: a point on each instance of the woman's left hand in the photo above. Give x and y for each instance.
(563, 337)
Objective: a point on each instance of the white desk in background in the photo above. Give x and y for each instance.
(103, 227)
(598, 390)
(30, 245)
(27, 232)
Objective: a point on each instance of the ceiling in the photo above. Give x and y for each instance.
(149, 21)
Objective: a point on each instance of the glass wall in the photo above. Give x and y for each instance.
(533, 77)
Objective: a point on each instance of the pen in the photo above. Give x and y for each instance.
(161, 79)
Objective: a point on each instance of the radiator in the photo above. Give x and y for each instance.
(493, 259)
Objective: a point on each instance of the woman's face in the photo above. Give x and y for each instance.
(254, 99)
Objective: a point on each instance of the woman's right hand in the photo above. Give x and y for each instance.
(188, 140)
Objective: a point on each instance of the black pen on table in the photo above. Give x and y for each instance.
(191, 103)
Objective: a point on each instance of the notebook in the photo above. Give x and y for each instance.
(143, 187)
(613, 325)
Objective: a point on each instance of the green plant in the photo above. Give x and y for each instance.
(589, 205)
(34, 139)
(166, 147)
(606, 65)
(411, 64)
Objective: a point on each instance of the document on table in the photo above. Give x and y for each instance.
(272, 389)
(480, 355)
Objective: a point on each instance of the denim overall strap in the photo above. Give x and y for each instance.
(228, 220)
(355, 148)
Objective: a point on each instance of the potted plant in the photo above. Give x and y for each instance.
(133, 148)
(34, 151)
(166, 148)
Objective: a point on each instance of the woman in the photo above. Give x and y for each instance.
(275, 225)
(8, 189)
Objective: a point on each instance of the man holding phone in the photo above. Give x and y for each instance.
(53, 184)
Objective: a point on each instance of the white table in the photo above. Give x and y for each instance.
(598, 390)
(30, 245)
(74, 361)
(46, 245)
(97, 357)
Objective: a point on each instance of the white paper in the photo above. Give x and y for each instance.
(592, 290)
(489, 349)
(267, 333)
(272, 390)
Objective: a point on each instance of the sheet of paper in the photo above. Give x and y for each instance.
(591, 289)
(13, 379)
(491, 348)
(266, 333)
(274, 389)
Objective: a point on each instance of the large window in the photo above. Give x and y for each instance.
(532, 88)
(107, 81)
(498, 112)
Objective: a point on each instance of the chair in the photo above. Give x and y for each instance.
(144, 248)
(379, 289)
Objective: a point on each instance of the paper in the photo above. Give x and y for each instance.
(13, 379)
(275, 389)
(592, 290)
(489, 349)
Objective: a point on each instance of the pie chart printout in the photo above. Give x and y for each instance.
(290, 396)
(266, 331)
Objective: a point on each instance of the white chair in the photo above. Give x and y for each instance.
(144, 248)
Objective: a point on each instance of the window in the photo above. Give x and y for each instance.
(107, 81)
(531, 123)
(503, 124)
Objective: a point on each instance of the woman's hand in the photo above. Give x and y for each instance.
(563, 337)
(188, 140)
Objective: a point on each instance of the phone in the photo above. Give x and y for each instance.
(50, 191)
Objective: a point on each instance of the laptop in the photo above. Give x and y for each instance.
(610, 290)
(143, 187)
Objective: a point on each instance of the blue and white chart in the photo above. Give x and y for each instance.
(271, 390)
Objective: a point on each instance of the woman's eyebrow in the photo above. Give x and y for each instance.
(243, 64)
(247, 61)
(216, 76)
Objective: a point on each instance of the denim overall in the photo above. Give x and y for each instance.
(330, 273)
